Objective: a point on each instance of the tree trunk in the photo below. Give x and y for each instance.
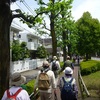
(87, 56)
(54, 40)
(64, 47)
(5, 17)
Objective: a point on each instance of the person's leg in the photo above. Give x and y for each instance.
(48, 96)
(42, 96)
(56, 73)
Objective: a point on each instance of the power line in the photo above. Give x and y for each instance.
(26, 5)
(19, 7)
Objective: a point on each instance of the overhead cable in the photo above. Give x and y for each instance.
(26, 5)
(19, 7)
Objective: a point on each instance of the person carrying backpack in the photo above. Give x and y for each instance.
(55, 66)
(15, 92)
(67, 63)
(67, 85)
(45, 82)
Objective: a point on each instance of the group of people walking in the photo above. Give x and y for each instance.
(66, 83)
(47, 81)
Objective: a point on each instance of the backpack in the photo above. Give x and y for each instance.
(54, 66)
(72, 66)
(67, 92)
(43, 81)
(69, 63)
(12, 97)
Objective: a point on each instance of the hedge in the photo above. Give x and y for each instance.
(88, 67)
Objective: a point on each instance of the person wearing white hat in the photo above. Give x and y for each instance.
(65, 80)
(16, 81)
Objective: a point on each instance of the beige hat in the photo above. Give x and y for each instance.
(54, 57)
(17, 79)
(68, 57)
(46, 63)
(68, 70)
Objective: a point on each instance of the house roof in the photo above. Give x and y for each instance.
(16, 28)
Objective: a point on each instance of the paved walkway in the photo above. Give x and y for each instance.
(31, 74)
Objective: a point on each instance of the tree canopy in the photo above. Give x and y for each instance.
(89, 34)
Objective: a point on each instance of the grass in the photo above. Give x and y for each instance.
(92, 82)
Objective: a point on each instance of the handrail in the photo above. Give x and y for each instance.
(83, 84)
(34, 95)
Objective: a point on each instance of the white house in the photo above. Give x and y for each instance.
(31, 39)
(14, 32)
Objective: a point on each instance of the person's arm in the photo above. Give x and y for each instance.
(36, 82)
(51, 66)
(75, 89)
(58, 65)
(72, 65)
(54, 85)
(4, 96)
(60, 84)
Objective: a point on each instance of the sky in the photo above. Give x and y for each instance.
(81, 6)
(78, 8)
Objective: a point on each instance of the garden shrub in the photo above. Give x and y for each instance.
(61, 64)
(19, 51)
(88, 67)
(41, 52)
(30, 86)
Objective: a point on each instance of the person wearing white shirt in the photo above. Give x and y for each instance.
(46, 94)
(16, 81)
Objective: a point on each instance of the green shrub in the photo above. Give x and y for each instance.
(88, 67)
(19, 51)
(41, 52)
(61, 64)
(30, 86)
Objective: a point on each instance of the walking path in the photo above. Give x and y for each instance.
(30, 74)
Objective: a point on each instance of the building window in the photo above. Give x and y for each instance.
(29, 40)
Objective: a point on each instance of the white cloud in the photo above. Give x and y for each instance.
(92, 6)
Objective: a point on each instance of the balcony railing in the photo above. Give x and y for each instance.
(32, 46)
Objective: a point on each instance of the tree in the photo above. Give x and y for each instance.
(54, 10)
(6, 17)
(65, 27)
(89, 35)
(5, 21)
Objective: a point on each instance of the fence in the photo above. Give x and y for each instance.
(82, 85)
(20, 66)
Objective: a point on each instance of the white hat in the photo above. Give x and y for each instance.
(17, 79)
(54, 57)
(68, 70)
